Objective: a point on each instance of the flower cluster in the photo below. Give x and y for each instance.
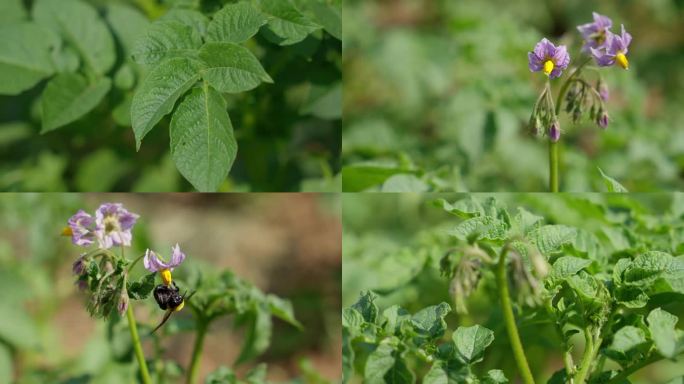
(103, 273)
(111, 227)
(600, 44)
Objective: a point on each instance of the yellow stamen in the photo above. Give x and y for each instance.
(622, 60)
(66, 231)
(178, 308)
(166, 276)
(548, 67)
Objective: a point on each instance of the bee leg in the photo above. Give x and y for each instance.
(164, 319)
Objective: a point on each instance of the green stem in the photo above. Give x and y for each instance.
(195, 363)
(137, 347)
(625, 373)
(553, 147)
(553, 166)
(509, 319)
(590, 350)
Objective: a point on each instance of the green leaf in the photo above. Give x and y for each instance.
(24, 57)
(394, 317)
(437, 374)
(282, 309)
(166, 39)
(203, 145)
(128, 25)
(399, 373)
(11, 11)
(567, 266)
(259, 331)
(471, 343)
(551, 238)
(404, 183)
(378, 363)
(480, 228)
(231, 68)
(287, 22)
(359, 177)
(656, 272)
(464, 208)
(68, 97)
(348, 356)
(80, 25)
(662, 327)
(627, 344)
(429, 322)
(235, 23)
(141, 289)
(366, 306)
(611, 184)
(189, 17)
(327, 13)
(158, 93)
(495, 376)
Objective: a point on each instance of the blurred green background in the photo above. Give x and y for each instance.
(286, 244)
(437, 96)
(392, 244)
(288, 132)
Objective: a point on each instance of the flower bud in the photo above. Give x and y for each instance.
(79, 266)
(122, 306)
(554, 131)
(82, 285)
(602, 119)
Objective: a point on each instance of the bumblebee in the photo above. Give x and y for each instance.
(168, 298)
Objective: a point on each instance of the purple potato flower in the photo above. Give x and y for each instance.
(614, 50)
(154, 263)
(81, 229)
(595, 33)
(548, 58)
(114, 224)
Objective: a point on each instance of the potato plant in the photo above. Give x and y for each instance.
(102, 271)
(214, 73)
(605, 299)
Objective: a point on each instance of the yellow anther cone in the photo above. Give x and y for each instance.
(166, 276)
(622, 60)
(66, 231)
(548, 67)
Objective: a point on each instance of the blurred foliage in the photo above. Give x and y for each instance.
(46, 335)
(288, 132)
(437, 96)
(395, 244)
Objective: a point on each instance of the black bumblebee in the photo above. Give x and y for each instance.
(168, 297)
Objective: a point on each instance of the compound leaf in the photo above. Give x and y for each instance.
(81, 26)
(203, 145)
(231, 68)
(24, 57)
(235, 23)
(141, 289)
(189, 17)
(68, 97)
(160, 90)
(429, 322)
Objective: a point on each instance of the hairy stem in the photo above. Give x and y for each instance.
(625, 373)
(137, 347)
(509, 319)
(590, 350)
(195, 362)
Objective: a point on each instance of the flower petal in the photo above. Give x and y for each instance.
(152, 262)
(534, 64)
(177, 257)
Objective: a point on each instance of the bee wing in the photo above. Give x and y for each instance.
(164, 319)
